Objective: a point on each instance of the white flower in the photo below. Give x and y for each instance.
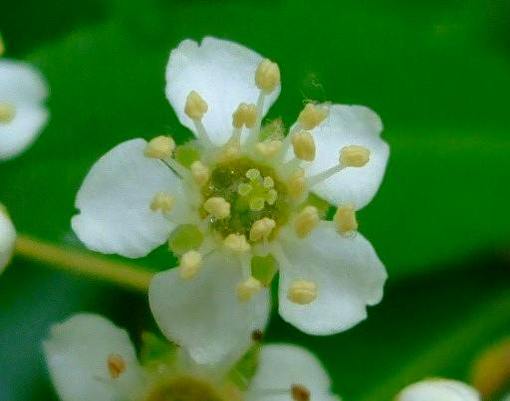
(237, 205)
(89, 358)
(438, 390)
(7, 238)
(22, 113)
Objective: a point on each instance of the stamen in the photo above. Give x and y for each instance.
(345, 220)
(230, 152)
(302, 292)
(218, 207)
(236, 243)
(116, 365)
(161, 147)
(7, 113)
(304, 146)
(299, 392)
(267, 76)
(2, 47)
(200, 173)
(306, 221)
(262, 229)
(354, 156)
(191, 262)
(195, 106)
(162, 202)
(312, 116)
(297, 184)
(245, 115)
(247, 289)
(270, 148)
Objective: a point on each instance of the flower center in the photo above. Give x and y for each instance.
(7, 112)
(253, 191)
(183, 388)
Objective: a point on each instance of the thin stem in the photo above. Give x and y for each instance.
(84, 264)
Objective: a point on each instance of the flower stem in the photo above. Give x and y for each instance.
(84, 264)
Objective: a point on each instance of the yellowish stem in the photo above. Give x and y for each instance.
(83, 263)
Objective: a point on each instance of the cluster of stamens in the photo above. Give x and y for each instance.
(248, 189)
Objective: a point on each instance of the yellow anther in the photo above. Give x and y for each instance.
(190, 265)
(236, 243)
(345, 219)
(116, 365)
(257, 204)
(218, 207)
(267, 76)
(297, 184)
(161, 147)
(302, 292)
(312, 115)
(162, 202)
(7, 113)
(246, 114)
(244, 189)
(269, 148)
(304, 145)
(306, 221)
(253, 174)
(195, 107)
(271, 197)
(354, 156)
(262, 229)
(247, 289)
(2, 47)
(200, 173)
(268, 182)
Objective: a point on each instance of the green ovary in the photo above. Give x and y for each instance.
(253, 191)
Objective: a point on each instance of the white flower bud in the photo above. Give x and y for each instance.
(440, 390)
(7, 238)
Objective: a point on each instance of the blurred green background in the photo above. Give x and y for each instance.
(437, 71)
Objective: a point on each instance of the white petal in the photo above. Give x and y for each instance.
(203, 314)
(281, 367)
(438, 390)
(114, 202)
(24, 88)
(77, 352)
(223, 73)
(348, 274)
(349, 125)
(7, 238)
